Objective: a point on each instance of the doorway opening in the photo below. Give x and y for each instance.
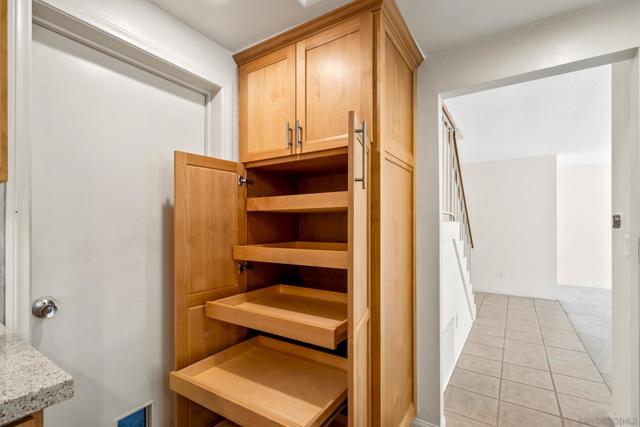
(531, 270)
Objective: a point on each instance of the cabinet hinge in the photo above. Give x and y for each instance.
(243, 180)
(244, 266)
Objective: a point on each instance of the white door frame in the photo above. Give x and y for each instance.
(629, 54)
(108, 37)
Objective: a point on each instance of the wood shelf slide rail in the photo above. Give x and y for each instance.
(312, 254)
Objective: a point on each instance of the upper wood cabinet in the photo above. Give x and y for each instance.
(267, 105)
(297, 106)
(333, 77)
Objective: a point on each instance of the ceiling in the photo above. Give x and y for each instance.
(441, 24)
(236, 24)
(565, 114)
(436, 24)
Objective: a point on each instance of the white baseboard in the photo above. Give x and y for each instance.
(420, 423)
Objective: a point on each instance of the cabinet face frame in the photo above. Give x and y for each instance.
(363, 25)
(392, 160)
(359, 276)
(279, 141)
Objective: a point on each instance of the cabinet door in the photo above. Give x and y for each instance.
(209, 219)
(334, 76)
(34, 420)
(267, 105)
(359, 280)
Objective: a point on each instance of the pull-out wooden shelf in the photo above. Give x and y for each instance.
(314, 254)
(335, 201)
(309, 315)
(263, 382)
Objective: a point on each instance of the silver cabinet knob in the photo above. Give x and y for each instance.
(44, 308)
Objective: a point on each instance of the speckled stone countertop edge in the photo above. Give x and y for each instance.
(29, 381)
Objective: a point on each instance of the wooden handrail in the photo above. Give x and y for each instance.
(459, 171)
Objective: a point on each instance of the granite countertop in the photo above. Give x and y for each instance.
(29, 381)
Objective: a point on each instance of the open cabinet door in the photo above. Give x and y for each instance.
(209, 219)
(359, 283)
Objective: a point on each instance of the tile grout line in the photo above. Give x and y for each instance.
(523, 383)
(504, 337)
(466, 416)
(477, 373)
(553, 382)
(501, 364)
(563, 420)
(459, 387)
(519, 405)
(529, 367)
(538, 310)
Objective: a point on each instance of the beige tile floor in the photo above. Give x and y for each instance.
(523, 365)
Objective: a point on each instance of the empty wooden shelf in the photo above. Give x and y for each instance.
(300, 203)
(309, 315)
(313, 254)
(265, 382)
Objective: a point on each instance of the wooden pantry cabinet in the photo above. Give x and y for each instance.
(294, 268)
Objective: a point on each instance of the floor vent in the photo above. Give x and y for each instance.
(140, 417)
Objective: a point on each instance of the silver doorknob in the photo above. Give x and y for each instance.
(44, 308)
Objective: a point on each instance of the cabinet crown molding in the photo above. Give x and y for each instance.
(356, 7)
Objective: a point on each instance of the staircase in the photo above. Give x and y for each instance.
(453, 252)
(458, 310)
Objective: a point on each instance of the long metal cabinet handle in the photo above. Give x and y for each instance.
(363, 131)
(287, 135)
(298, 134)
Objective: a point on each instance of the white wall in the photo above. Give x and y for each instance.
(512, 207)
(543, 48)
(584, 224)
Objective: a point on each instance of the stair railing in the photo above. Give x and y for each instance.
(454, 200)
